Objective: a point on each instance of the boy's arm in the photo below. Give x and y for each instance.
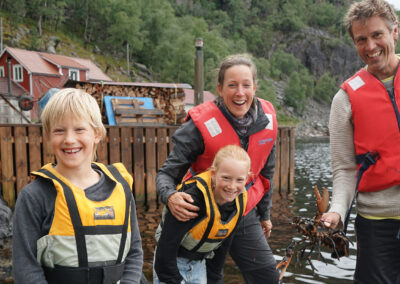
(134, 259)
(34, 209)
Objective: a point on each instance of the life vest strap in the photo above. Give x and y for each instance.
(212, 214)
(75, 219)
(128, 200)
(83, 275)
(366, 160)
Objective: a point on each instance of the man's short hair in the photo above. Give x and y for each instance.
(361, 11)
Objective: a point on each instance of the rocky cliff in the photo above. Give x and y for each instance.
(320, 53)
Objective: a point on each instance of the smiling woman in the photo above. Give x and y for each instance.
(237, 117)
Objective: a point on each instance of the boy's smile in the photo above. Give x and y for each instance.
(73, 141)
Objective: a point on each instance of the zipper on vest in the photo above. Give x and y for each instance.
(396, 109)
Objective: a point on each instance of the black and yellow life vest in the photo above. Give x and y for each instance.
(88, 240)
(208, 233)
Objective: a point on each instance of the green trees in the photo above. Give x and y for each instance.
(325, 88)
(283, 64)
(161, 35)
(300, 86)
(324, 15)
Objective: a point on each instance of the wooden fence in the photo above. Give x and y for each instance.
(142, 150)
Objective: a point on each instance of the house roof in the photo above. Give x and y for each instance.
(47, 63)
(17, 89)
(95, 73)
(63, 61)
(32, 61)
(189, 96)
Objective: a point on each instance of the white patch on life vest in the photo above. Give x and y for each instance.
(213, 127)
(104, 213)
(270, 124)
(356, 83)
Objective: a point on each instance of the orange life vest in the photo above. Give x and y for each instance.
(376, 119)
(217, 132)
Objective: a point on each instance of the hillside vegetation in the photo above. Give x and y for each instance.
(299, 43)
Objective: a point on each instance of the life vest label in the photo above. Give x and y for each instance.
(356, 83)
(270, 124)
(213, 127)
(104, 213)
(222, 232)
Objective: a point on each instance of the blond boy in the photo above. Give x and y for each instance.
(76, 222)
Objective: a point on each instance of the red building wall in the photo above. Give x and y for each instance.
(41, 84)
(82, 73)
(3, 62)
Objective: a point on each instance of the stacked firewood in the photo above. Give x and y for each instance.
(169, 100)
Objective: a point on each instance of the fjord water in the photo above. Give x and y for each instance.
(312, 167)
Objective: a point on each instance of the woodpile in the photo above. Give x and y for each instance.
(169, 100)
(129, 111)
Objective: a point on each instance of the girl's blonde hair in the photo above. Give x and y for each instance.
(233, 152)
(73, 102)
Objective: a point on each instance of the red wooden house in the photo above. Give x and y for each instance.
(36, 72)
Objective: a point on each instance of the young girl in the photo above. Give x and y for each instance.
(76, 222)
(221, 196)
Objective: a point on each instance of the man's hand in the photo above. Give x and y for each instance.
(180, 207)
(330, 219)
(267, 227)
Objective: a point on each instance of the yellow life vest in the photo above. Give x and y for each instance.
(84, 233)
(208, 234)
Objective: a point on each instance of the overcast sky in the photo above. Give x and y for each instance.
(395, 3)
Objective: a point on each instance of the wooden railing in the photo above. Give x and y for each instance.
(142, 150)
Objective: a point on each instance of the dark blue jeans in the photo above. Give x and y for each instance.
(378, 251)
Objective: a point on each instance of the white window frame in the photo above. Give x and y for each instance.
(73, 71)
(2, 73)
(18, 73)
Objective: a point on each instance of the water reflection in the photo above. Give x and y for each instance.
(312, 162)
(313, 167)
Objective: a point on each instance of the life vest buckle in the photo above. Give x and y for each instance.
(371, 157)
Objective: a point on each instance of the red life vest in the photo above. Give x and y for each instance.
(376, 129)
(217, 132)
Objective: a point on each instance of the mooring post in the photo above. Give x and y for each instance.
(198, 73)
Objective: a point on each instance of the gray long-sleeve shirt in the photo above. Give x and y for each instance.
(33, 218)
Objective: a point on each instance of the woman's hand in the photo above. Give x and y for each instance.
(330, 219)
(267, 228)
(180, 206)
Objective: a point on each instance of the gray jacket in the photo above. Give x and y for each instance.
(189, 144)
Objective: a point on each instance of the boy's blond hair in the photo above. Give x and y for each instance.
(74, 102)
(232, 152)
